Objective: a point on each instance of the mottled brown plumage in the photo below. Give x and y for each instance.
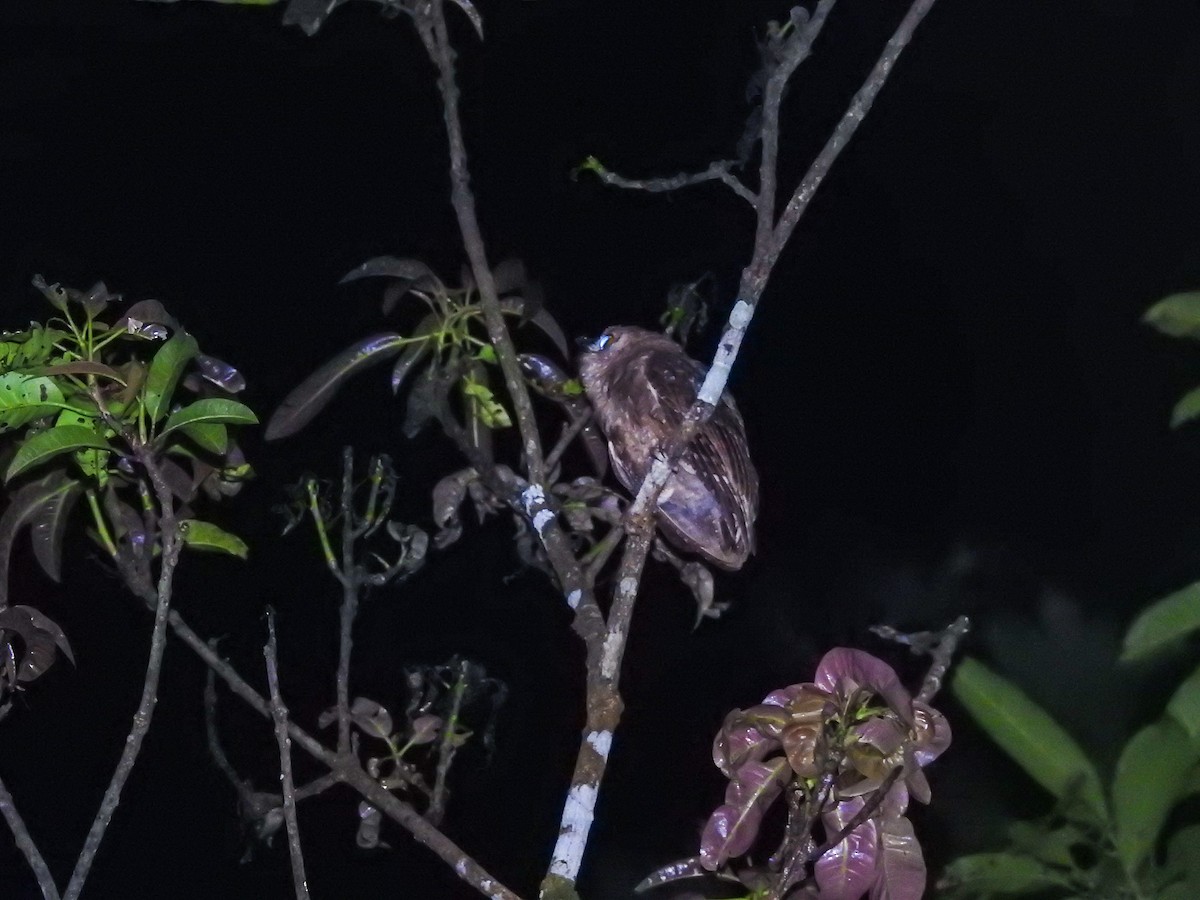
(641, 385)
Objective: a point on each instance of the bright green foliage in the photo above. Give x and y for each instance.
(88, 401)
(1096, 842)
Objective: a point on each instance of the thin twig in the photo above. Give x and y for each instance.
(770, 239)
(26, 845)
(347, 770)
(351, 585)
(171, 543)
(279, 714)
(717, 171)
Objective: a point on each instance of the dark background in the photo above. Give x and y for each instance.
(950, 398)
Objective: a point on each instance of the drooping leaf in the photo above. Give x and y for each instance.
(145, 312)
(483, 404)
(165, 371)
(1163, 622)
(314, 393)
(413, 271)
(1028, 734)
(24, 398)
(733, 827)
(541, 319)
(207, 536)
(41, 635)
(1149, 781)
(415, 352)
(45, 445)
(212, 411)
(45, 502)
(1177, 315)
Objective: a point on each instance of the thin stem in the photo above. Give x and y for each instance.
(279, 714)
(350, 587)
(431, 25)
(26, 844)
(141, 720)
(603, 693)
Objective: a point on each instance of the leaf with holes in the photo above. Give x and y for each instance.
(24, 398)
(45, 445)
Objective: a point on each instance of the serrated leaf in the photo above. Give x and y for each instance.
(1149, 781)
(55, 492)
(314, 393)
(1028, 734)
(1177, 315)
(45, 445)
(1186, 409)
(201, 535)
(24, 398)
(213, 411)
(165, 371)
(1163, 622)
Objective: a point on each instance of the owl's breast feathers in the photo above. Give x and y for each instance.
(642, 385)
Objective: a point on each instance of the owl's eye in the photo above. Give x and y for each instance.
(600, 343)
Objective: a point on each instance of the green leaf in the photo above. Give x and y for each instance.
(207, 536)
(165, 370)
(1177, 315)
(1000, 873)
(213, 411)
(1150, 778)
(1028, 734)
(1052, 846)
(1187, 408)
(1164, 621)
(210, 437)
(45, 505)
(1183, 858)
(484, 405)
(314, 393)
(1184, 706)
(45, 445)
(24, 398)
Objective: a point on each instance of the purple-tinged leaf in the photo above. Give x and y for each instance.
(49, 525)
(416, 273)
(739, 741)
(371, 717)
(843, 669)
(901, 862)
(314, 393)
(146, 312)
(733, 827)
(882, 732)
(448, 497)
(800, 745)
(415, 352)
(425, 729)
(46, 500)
(680, 870)
(42, 637)
(220, 373)
(933, 733)
(848, 870)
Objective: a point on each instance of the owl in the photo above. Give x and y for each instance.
(641, 385)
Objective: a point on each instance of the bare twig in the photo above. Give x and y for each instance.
(171, 544)
(770, 239)
(347, 770)
(447, 746)
(717, 171)
(431, 25)
(351, 585)
(26, 844)
(279, 714)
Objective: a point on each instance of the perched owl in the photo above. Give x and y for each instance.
(641, 385)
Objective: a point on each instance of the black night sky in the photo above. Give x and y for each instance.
(949, 395)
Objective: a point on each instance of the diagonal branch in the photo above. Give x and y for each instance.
(770, 239)
(26, 845)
